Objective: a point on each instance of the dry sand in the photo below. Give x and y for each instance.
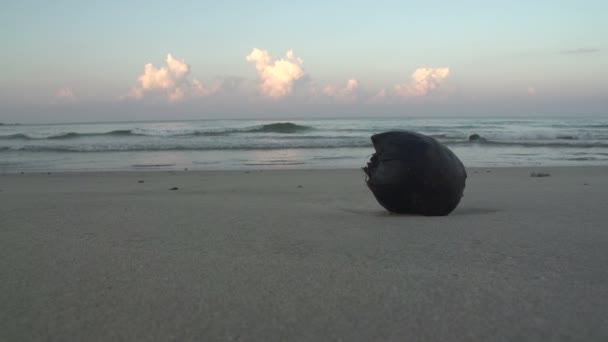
(301, 256)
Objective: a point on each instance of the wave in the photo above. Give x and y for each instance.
(584, 159)
(118, 133)
(245, 146)
(277, 127)
(576, 125)
(548, 143)
(595, 126)
(204, 133)
(280, 144)
(288, 130)
(69, 135)
(280, 127)
(15, 136)
(567, 137)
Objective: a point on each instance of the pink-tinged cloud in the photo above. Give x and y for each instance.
(531, 90)
(173, 81)
(347, 93)
(277, 76)
(65, 95)
(424, 82)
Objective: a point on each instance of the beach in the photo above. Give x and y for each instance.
(300, 255)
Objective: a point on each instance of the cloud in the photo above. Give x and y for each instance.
(531, 90)
(65, 95)
(424, 82)
(173, 81)
(276, 76)
(579, 51)
(348, 93)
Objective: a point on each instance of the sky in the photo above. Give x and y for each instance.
(79, 61)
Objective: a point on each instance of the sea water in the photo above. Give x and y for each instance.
(286, 144)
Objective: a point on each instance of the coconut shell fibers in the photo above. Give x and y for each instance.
(411, 173)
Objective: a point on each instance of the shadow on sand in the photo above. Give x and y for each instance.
(465, 211)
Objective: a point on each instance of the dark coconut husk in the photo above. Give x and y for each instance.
(411, 173)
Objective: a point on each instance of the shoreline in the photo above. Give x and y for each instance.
(293, 144)
(145, 170)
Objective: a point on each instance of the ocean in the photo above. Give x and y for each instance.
(287, 144)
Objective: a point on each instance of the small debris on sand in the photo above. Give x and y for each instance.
(140, 181)
(540, 174)
(174, 188)
(299, 186)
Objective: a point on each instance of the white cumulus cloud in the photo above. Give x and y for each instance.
(348, 93)
(424, 82)
(173, 80)
(277, 76)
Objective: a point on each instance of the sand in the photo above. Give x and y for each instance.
(300, 256)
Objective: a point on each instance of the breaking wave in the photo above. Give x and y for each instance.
(70, 135)
(282, 144)
(322, 142)
(279, 127)
(15, 136)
